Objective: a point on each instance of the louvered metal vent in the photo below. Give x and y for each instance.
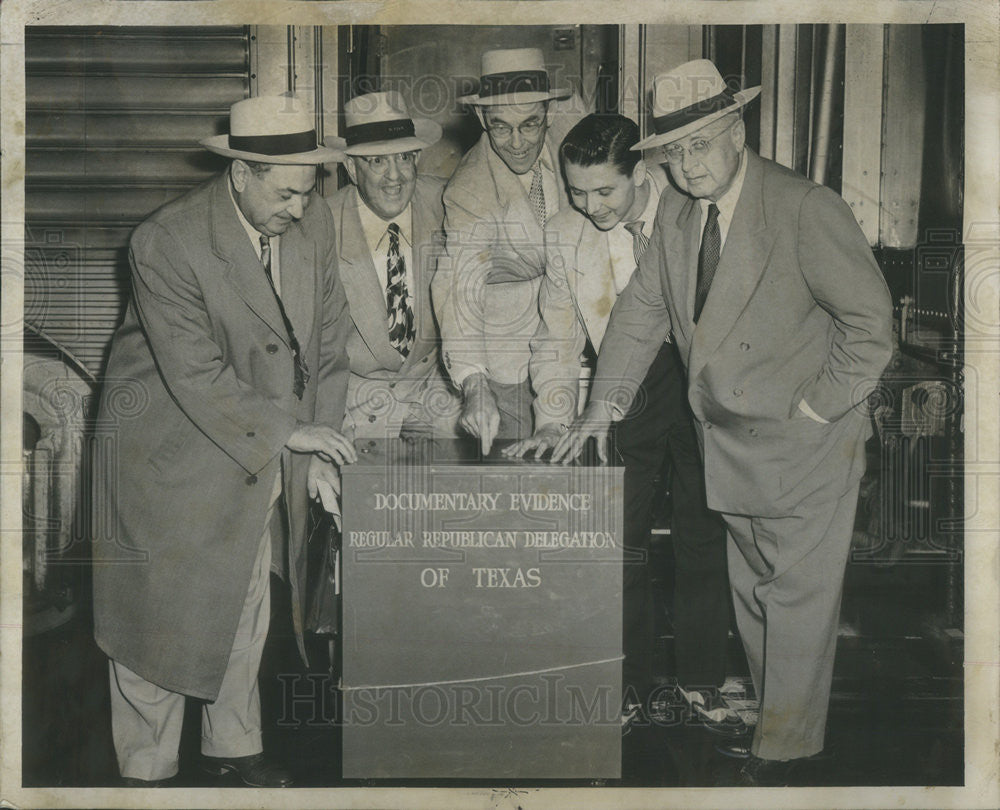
(114, 116)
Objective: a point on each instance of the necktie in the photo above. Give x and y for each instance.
(301, 371)
(708, 258)
(536, 196)
(639, 240)
(397, 297)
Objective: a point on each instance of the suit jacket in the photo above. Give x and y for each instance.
(575, 303)
(194, 415)
(798, 309)
(486, 289)
(385, 388)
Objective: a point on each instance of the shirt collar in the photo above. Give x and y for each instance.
(253, 234)
(375, 227)
(727, 202)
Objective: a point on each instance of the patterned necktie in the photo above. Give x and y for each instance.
(536, 196)
(301, 371)
(708, 258)
(639, 240)
(397, 297)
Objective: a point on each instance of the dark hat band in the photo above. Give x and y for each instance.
(694, 112)
(288, 144)
(516, 81)
(379, 131)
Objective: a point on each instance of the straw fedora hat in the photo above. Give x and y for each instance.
(514, 76)
(687, 98)
(380, 124)
(271, 129)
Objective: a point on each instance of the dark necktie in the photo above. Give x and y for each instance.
(708, 259)
(639, 240)
(301, 371)
(537, 195)
(397, 297)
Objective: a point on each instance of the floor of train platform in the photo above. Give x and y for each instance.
(896, 712)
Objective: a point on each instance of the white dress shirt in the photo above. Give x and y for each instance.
(621, 244)
(254, 236)
(376, 232)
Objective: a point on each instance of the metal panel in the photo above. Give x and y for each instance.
(863, 65)
(114, 116)
(902, 135)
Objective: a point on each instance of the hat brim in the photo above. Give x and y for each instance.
(526, 97)
(425, 133)
(741, 98)
(322, 154)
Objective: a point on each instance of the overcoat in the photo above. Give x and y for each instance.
(486, 288)
(798, 310)
(193, 420)
(384, 386)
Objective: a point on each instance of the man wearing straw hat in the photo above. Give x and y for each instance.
(496, 205)
(389, 236)
(783, 321)
(233, 349)
(591, 252)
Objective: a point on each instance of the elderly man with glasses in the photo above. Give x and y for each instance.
(388, 226)
(783, 321)
(496, 205)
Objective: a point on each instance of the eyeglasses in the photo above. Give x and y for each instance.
(528, 130)
(379, 164)
(674, 152)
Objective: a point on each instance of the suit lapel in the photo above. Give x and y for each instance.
(361, 285)
(423, 229)
(244, 271)
(298, 280)
(682, 247)
(523, 233)
(744, 256)
(594, 285)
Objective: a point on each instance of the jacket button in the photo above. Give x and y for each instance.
(744, 347)
(708, 426)
(424, 360)
(372, 418)
(737, 392)
(251, 480)
(272, 348)
(753, 431)
(392, 385)
(250, 434)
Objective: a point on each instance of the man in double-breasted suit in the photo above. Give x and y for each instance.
(224, 398)
(496, 204)
(388, 223)
(784, 322)
(591, 252)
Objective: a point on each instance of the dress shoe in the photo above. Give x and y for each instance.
(632, 716)
(735, 747)
(710, 709)
(757, 772)
(254, 770)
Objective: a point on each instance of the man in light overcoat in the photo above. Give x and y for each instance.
(223, 405)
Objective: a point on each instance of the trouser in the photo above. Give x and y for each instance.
(787, 576)
(146, 719)
(514, 403)
(659, 422)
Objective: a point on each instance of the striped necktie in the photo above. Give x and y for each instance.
(301, 376)
(708, 259)
(639, 240)
(536, 195)
(397, 298)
